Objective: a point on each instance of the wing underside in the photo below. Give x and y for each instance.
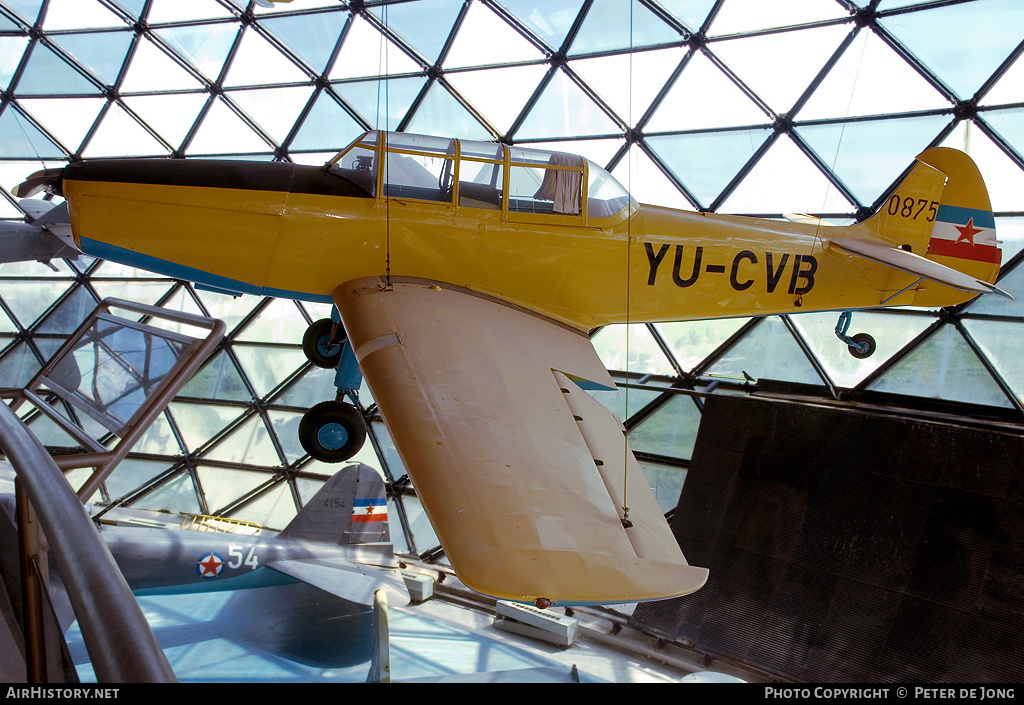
(524, 476)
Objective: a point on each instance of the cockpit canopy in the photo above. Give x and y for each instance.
(480, 175)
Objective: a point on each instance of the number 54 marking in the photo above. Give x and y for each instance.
(236, 561)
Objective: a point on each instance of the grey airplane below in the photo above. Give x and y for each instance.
(339, 542)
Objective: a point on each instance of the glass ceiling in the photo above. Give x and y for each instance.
(739, 106)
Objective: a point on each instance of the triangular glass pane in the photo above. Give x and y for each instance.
(550, 20)
(204, 47)
(67, 119)
(175, 495)
(103, 53)
(9, 25)
(258, 62)
(366, 52)
(598, 151)
(779, 67)
(141, 292)
(1000, 341)
(131, 474)
(628, 83)
(382, 104)
(28, 10)
(682, 108)
(854, 87)
(705, 163)
(670, 431)
(169, 115)
(223, 132)
(274, 510)
(993, 305)
(68, 316)
(1004, 180)
(153, 70)
(230, 309)
(1011, 232)
(313, 387)
(223, 487)
(943, 367)
(159, 439)
(286, 426)
(784, 180)
(48, 74)
(36, 270)
(440, 113)
(768, 351)
(891, 332)
(666, 482)
(926, 34)
(499, 107)
(198, 423)
(692, 341)
(11, 50)
(691, 13)
(1009, 88)
(267, 367)
(177, 11)
(327, 125)
(6, 326)
(868, 156)
(504, 45)
(273, 109)
(312, 37)
(50, 434)
(614, 24)
(279, 322)
(292, 6)
(120, 135)
(217, 379)
(631, 348)
(18, 367)
(647, 183)
(564, 110)
(30, 299)
(1009, 124)
(423, 25)
(738, 16)
(250, 444)
(132, 7)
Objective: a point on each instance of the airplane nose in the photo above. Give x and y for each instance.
(49, 180)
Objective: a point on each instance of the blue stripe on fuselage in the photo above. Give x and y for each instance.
(130, 258)
(960, 216)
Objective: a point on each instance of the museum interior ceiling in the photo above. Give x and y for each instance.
(811, 107)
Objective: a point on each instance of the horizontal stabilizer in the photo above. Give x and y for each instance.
(345, 579)
(915, 264)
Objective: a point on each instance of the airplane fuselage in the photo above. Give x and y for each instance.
(642, 264)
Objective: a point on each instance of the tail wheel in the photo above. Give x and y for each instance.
(332, 431)
(865, 346)
(318, 346)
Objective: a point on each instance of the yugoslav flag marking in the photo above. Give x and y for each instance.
(367, 510)
(209, 566)
(965, 233)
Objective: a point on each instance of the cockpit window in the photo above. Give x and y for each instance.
(545, 182)
(358, 163)
(605, 195)
(421, 167)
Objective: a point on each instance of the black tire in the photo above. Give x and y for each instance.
(862, 338)
(318, 346)
(332, 431)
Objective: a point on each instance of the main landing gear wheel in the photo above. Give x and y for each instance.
(332, 431)
(318, 346)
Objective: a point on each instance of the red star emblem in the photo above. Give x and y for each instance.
(967, 232)
(209, 566)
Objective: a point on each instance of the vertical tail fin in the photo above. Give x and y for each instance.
(351, 508)
(940, 211)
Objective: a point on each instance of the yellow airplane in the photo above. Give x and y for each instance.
(467, 276)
